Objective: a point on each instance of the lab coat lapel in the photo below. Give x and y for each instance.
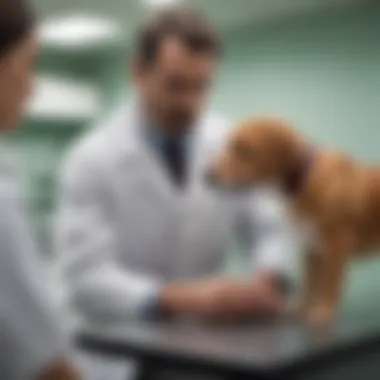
(137, 156)
(147, 166)
(202, 152)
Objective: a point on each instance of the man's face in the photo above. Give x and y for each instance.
(175, 85)
(16, 76)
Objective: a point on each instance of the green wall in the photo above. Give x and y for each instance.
(322, 72)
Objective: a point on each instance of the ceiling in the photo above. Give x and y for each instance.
(226, 14)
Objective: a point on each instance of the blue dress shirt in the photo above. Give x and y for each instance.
(173, 151)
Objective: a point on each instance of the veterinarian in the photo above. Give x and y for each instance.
(139, 231)
(33, 344)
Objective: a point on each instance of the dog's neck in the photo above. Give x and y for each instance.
(296, 177)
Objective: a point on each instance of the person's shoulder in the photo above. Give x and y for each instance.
(11, 201)
(214, 125)
(215, 129)
(87, 148)
(9, 174)
(9, 189)
(96, 146)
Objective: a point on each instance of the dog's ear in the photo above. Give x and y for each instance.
(283, 142)
(291, 148)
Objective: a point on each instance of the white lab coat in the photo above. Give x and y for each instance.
(32, 336)
(124, 229)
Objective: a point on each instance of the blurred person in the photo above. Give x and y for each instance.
(139, 231)
(32, 345)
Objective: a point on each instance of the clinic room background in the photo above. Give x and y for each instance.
(314, 61)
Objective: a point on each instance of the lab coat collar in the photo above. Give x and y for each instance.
(127, 123)
(136, 155)
(156, 138)
(124, 123)
(130, 124)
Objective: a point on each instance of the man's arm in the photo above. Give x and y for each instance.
(33, 336)
(87, 243)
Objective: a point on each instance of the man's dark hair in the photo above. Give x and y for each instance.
(188, 26)
(16, 21)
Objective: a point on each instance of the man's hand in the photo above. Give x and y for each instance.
(61, 370)
(221, 298)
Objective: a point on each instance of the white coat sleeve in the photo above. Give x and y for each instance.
(274, 249)
(98, 286)
(32, 335)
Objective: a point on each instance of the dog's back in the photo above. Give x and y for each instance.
(369, 222)
(341, 189)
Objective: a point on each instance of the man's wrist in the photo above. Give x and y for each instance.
(281, 283)
(175, 299)
(150, 308)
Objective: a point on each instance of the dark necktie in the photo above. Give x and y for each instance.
(174, 157)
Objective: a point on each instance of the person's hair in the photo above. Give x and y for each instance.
(190, 27)
(16, 21)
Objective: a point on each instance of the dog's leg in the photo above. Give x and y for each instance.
(311, 271)
(334, 260)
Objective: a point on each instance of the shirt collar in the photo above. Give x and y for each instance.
(154, 137)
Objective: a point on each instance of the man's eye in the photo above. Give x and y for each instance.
(243, 151)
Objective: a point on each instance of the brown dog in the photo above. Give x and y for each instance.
(329, 191)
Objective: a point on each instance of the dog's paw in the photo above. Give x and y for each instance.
(320, 315)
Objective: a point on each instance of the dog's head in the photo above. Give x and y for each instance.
(258, 150)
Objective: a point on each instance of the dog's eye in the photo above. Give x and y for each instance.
(243, 151)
